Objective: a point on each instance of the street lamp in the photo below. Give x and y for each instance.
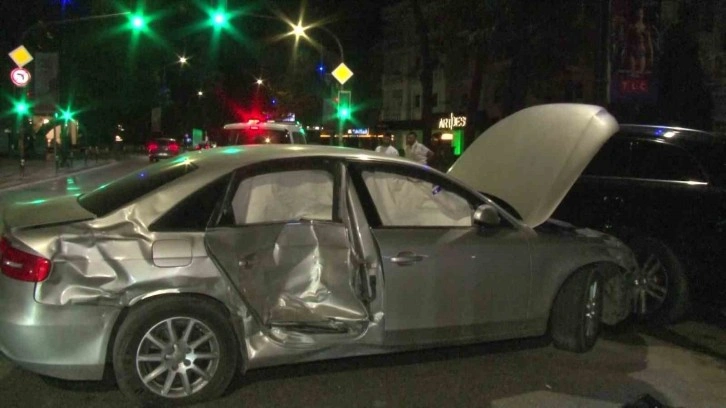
(344, 107)
(298, 30)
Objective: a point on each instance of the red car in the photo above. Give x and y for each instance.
(162, 148)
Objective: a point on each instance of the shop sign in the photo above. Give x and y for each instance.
(452, 122)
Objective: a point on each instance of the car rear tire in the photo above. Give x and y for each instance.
(577, 311)
(174, 351)
(661, 285)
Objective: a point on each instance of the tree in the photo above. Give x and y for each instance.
(684, 99)
(426, 75)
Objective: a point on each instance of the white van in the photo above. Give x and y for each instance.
(257, 132)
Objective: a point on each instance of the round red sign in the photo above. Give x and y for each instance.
(20, 76)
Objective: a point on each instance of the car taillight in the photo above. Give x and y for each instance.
(152, 147)
(21, 265)
(174, 147)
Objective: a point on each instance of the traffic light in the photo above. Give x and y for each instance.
(66, 115)
(344, 106)
(21, 108)
(219, 18)
(138, 22)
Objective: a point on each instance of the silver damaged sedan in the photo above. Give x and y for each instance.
(245, 257)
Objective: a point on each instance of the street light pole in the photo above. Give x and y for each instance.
(299, 31)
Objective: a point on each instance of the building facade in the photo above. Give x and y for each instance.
(613, 68)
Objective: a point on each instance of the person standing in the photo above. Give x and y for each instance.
(385, 146)
(416, 151)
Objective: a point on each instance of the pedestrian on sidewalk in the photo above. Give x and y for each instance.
(416, 151)
(385, 146)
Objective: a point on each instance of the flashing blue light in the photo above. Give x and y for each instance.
(274, 101)
(321, 68)
(659, 132)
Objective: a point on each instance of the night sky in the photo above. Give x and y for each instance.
(94, 53)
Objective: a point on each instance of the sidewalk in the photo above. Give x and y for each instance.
(39, 170)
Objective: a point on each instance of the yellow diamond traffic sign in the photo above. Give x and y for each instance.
(21, 56)
(342, 73)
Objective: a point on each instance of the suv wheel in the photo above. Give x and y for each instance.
(661, 285)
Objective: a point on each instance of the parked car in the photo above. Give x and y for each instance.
(162, 148)
(246, 257)
(259, 132)
(663, 191)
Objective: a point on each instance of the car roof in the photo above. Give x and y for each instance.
(228, 158)
(672, 134)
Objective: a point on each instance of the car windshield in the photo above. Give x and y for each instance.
(255, 135)
(116, 194)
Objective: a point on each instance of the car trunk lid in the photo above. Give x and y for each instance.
(43, 212)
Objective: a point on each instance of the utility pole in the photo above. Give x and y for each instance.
(603, 54)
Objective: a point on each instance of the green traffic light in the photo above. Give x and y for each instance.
(66, 115)
(138, 22)
(21, 108)
(344, 113)
(219, 18)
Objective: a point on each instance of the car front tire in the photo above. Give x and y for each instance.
(577, 311)
(174, 351)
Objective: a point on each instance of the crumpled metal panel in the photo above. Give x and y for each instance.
(298, 274)
(111, 264)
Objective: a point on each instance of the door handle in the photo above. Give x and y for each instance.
(405, 258)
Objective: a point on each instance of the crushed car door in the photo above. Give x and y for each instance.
(283, 241)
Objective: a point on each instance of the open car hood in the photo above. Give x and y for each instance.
(532, 158)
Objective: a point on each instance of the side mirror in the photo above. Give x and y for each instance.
(487, 215)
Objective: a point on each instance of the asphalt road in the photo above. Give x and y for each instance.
(682, 365)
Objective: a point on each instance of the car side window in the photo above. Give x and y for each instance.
(661, 161)
(613, 160)
(194, 212)
(283, 196)
(405, 199)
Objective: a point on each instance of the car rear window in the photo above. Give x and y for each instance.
(164, 142)
(116, 194)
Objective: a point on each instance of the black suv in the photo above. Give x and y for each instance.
(663, 191)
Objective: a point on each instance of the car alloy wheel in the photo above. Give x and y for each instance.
(592, 309)
(175, 350)
(177, 357)
(651, 285)
(577, 311)
(660, 285)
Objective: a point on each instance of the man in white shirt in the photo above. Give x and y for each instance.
(416, 151)
(386, 147)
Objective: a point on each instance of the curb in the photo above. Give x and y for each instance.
(22, 185)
